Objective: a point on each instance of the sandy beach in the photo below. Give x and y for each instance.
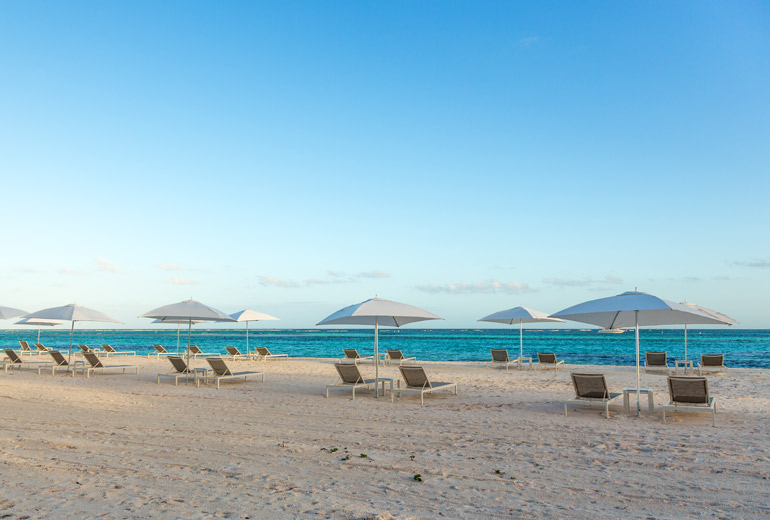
(116, 446)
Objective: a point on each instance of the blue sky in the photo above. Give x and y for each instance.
(466, 157)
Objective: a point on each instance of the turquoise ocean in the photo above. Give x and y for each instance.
(743, 347)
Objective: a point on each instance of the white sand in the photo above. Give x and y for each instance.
(125, 447)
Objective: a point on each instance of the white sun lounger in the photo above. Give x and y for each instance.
(548, 360)
(351, 378)
(221, 372)
(690, 394)
(591, 389)
(263, 354)
(417, 382)
(180, 370)
(109, 350)
(97, 366)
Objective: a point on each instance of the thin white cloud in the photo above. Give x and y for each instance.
(722, 277)
(169, 267)
(276, 282)
(374, 274)
(69, 271)
(178, 280)
(29, 270)
(486, 287)
(759, 263)
(583, 282)
(335, 274)
(529, 41)
(106, 265)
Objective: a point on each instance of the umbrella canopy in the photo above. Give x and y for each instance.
(520, 315)
(248, 315)
(39, 322)
(377, 311)
(188, 311)
(72, 313)
(6, 313)
(634, 309)
(723, 318)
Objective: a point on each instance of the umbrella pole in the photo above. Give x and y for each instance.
(247, 338)
(685, 347)
(72, 331)
(521, 343)
(38, 338)
(178, 326)
(376, 358)
(638, 390)
(189, 333)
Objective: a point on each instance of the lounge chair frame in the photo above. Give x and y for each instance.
(591, 390)
(711, 362)
(679, 386)
(24, 348)
(656, 361)
(195, 351)
(264, 354)
(180, 370)
(548, 360)
(221, 372)
(351, 378)
(352, 356)
(234, 353)
(96, 365)
(14, 360)
(59, 363)
(396, 356)
(107, 350)
(160, 350)
(500, 358)
(417, 381)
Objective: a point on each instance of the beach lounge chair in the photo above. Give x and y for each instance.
(195, 351)
(396, 356)
(109, 350)
(690, 394)
(264, 354)
(417, 381)
(14, 360)
(712, 362)
(655, 360)
(159, 351)
(220, 372)
(97, 366)
(25, 348)
(500, 358)
(548, 360)
(352, 356)
(41, 349)
(59, 363)
(180, 369)
(86, 348)
(234, 353)
(591, 389)
(351, 378)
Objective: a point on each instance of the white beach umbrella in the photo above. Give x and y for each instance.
(724, 319)
(39, 322)
(520, 315)
(178, 327)
(248, 315)
(6, 313)
(634, 309)
(187, 311)
(378, 312)
(72, 313)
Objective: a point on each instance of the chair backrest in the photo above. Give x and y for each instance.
(546, 357)
(233, 351)
(395, 354)
(592, 386)
(688, 389)
(351, 353)
(712, 360)
(41, 347)
(195, 350)
(84, 348)
(93, 359)
(656, 359)
(499, 355)
(14, 357)
(108, 348)
(58, 358)
(178, 364)
(24, 346)
(219, 366)
(263, 351)
(160, 349)
(414, 377)
(349, 373)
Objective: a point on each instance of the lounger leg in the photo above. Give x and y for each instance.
(354, 393)
(158, 379)
(713, 417)
(327, 392)
(422, 398)
(664, 415)
(607, 410)
(565, 410)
